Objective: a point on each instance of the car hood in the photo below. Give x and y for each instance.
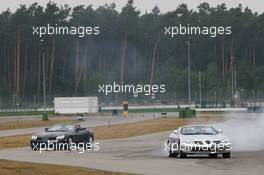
(202, 137)
(50, 134)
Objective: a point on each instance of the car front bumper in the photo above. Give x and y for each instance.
(206, 149)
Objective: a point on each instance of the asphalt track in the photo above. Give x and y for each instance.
(143, 155)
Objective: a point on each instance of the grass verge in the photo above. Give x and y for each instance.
(18, 124)
(8, 167)
(146, 110)
(138, 128)
(23, 113)
(147, 127)
(14, 141)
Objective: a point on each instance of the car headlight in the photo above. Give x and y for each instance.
(60, 137)
(34, 137)
(224, 141)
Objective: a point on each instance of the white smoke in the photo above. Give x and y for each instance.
(245, 131)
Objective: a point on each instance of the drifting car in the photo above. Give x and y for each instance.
(198, 139)
(62, 136)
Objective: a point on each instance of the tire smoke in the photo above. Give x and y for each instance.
(245, 131)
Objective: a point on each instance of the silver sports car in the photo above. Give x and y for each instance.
(198, 139)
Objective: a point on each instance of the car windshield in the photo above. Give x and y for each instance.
(199, 130)
(62, 128)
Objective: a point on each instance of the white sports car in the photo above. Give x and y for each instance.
(198, 139)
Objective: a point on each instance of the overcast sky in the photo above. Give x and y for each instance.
(142, 5)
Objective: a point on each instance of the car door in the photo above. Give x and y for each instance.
(77, 135)
(85, 135)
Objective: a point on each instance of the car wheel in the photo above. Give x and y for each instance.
(70, 143)
(90, 142)
(227, 155)
(170, 152)
(213, 155)
(181, 153)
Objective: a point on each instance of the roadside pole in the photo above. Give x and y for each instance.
(200, 90)
(189, 72)
(45, 114)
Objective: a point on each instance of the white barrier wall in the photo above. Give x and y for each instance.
(73, 105)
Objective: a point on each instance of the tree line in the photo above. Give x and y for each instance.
(130, 48)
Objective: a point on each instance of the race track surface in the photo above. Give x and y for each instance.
(143, 155)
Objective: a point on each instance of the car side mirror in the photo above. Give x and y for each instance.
(77, 130)
(46, 129)
(220, 131)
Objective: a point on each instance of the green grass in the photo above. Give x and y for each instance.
(146, 110)
(24, 113)
(36, 122)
